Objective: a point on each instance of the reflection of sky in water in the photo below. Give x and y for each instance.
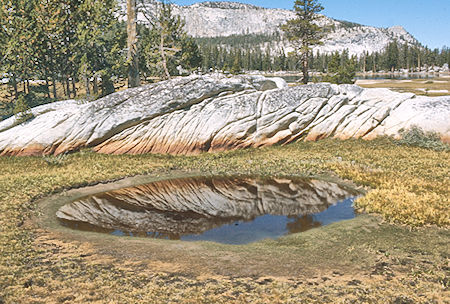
(273, 226)
(225, 210)
(262, 227)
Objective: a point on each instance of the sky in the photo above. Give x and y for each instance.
(428, 21)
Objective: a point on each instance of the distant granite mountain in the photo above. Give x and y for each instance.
(221, 19)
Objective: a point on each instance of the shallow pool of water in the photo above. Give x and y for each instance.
(234, 210)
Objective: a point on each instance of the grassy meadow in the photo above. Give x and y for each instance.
(395, 253)
(439, 86)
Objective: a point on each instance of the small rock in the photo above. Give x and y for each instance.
(354, 282)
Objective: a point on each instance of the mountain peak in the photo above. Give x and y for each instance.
(398, 29)
(224, 5)
(223, 19)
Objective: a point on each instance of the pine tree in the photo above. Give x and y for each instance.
(98, 45)
(341, 69)
(392, 56)
(304, 32)
(190, 57)
(18, 42)
(236, 67)
(165, 46)
(132, 45)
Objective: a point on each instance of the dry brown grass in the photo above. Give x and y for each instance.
(363, 260)
(425, 87)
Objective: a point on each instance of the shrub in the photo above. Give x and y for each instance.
(343, 75)
(6, 110)
(22, 110)
(419, 138)
(55, 161)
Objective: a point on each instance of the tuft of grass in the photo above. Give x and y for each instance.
(55, 161)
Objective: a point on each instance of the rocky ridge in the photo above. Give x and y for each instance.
(219, 19)
(215, 112)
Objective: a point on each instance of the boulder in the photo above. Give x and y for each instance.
(213, 112)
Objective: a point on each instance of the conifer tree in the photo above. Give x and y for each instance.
(98, 45)
(132, 45)
(341, 69)
(166, 46)
(18, 42)
(392, 56)
(303, 31)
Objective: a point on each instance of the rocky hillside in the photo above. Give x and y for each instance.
(220, 19)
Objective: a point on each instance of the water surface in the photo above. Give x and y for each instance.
(294, 79)
(232, 210)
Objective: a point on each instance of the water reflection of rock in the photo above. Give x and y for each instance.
(172, 208)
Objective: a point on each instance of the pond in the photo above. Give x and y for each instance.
(233, 210)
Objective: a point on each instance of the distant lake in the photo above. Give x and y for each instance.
(297, 78)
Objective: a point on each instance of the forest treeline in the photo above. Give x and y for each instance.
(256, 52)
(69, 44)
(64, 43)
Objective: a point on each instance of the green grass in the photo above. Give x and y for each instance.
(406, 185)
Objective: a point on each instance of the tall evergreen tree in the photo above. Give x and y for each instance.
(392, 59)
(303, 31)
(132, 45)
(166, 46)
(99, 42)
(18, 42)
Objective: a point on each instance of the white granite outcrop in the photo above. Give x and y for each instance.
(214, 112)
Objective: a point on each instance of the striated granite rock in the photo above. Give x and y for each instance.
(214, 112)
(194, 205)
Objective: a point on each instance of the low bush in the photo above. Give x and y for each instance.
(55, 161)
(416, 137)
(22, 110)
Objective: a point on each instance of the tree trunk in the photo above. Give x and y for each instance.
(133, 61)
(63, 82)
(305, 68)
(163, 57)
(47, 87)
(28, 86)
(86, 83)
(68, 87)
(55, 96)
(14, 85)
(95, 86)
(74, 88)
